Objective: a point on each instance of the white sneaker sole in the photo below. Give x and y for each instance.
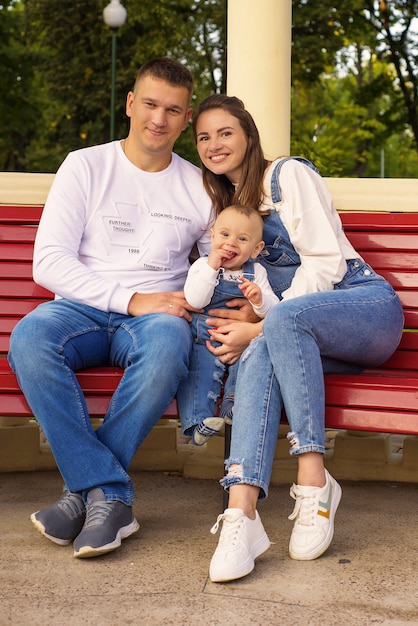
(88, 551)
(245, 568)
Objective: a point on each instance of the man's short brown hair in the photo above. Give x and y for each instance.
(169, 70)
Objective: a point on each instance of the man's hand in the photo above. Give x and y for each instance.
(172, 302)
(245, 313)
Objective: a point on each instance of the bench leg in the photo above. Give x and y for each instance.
(227, 449)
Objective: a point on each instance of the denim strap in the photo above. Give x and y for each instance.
(276, 192)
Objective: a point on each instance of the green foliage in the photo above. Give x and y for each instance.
(320, 31)
(354, 77)
(354, 104)
(18, 112)
(395, 22)
(343, 122)
(58, 59)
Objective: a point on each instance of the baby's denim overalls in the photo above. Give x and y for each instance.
(197, 395)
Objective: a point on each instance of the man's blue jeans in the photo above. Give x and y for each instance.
(355, 326)
(61, 337)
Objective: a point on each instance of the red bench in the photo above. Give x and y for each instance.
(381, 400)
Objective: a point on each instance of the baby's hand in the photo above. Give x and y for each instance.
(217, 258)
(251, 291)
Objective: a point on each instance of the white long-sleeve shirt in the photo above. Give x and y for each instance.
(314, 226)
(109, 229)
(202, 280)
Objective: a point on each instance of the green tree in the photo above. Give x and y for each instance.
(18, 109)
(354, 77)
(340, 129)
(396, 25)
(348, 102)
(65, 48)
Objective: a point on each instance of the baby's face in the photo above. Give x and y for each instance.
(238, 236)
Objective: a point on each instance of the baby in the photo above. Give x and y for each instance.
(229, 271)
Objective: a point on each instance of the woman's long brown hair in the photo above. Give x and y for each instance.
(250, 188)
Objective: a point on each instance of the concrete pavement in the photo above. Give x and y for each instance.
(160, 575)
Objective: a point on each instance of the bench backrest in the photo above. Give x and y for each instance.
(18, 293)
(388, 241)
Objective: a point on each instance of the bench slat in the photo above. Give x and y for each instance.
(17, 233)
(370, 391)
(409, 298)
(22, 289)
(387, 241)
(11, 214)
(397, 422)
(393, 222)
(411, 319)
(401, 279)
(19, 307)
(402, 360)
(13, 252)
(16, 269)
(15, 405)
(389, 260)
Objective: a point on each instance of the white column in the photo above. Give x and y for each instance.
(259, 36)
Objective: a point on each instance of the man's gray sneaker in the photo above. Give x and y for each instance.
(62, 521)
(107, 523)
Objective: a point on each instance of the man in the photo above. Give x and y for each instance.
(113, 245)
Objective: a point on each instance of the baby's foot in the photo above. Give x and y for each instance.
(227, 410)
(207, 429)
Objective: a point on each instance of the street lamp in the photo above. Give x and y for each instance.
(114, 16)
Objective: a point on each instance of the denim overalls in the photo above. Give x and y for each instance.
(197, 395)
(280, 258)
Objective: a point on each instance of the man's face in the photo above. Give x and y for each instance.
(159, 112)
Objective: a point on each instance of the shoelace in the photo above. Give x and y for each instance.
(305, 508)
(230, 530)
(215, 527)
(97, 513)
(72, 505)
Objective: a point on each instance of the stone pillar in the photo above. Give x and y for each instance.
(258, 66)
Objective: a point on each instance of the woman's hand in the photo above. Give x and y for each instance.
(234, 337)
(233, 328)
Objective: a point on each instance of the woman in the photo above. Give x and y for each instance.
(335, 315)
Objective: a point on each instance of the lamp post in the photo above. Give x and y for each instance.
(114, 16)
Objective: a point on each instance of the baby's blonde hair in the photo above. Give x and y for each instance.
(249, 212)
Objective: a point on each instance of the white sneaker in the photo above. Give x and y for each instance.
(314, 514)
(241, 541)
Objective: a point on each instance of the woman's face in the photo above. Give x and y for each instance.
(221, 143)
